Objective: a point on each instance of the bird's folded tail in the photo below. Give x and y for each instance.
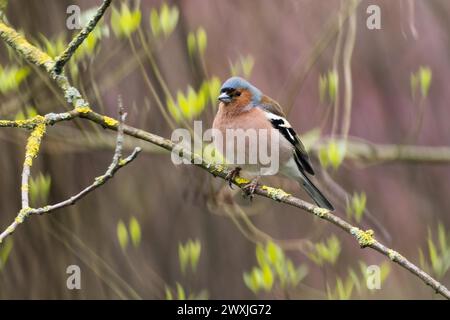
(314, 193)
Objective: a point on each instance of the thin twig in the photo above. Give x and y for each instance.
(116, 164)
(78, 40)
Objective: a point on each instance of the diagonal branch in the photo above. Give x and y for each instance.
(78, 40)
(117, 163)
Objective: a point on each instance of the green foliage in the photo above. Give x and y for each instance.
(11, 78)
(202, 40)
(273, 267)
(332, 154)
(28, 113)
(343, 289)
(169, 295)
(91, 43)
(328, 86)
(333, 84)
(326, 252)
(40, 189)
(212, 155)
(189, 254)
(5, 250)
(438, 254)
(356, 206)
(191, 43)
(133, 233)
(254, 280)
(211, 89)
(122, 234)
(125, 22)
(197, 42)
(3, 6)
(180, 294)
(192, 103)
(243, 67)
(310, 138)
(323, 85)
(164, 21)
(53, 47)
(88, 48)
(385, 270)
(421, 79)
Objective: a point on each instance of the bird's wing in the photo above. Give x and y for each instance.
(275, 115)
(270, 105)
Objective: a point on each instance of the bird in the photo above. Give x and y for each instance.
(243, 106)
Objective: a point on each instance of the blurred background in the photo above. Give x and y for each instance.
(159, 231)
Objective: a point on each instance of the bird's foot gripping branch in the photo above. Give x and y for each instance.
(81, 109)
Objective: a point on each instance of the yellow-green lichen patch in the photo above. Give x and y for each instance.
(25, 187)
(320, 212)
(27, 123)
(275, 194)
(22, 215)
(110, 121)
(99, 180)
(19, 43)
(241, 181)
(9, 230)
(218, 168)
(365, 238)
(392, 254)
(83, 110)
(34, 142)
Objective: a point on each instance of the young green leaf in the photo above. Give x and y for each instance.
(181, 293)
(267, 277)
(333, 83)
(183, 256)
(195, 250)
(154, 22)
(122, 234)
(202, 40)
(323, 86)
(135, 231)
(169, 295)
(5, 251)
(425, 75)
(191, 43)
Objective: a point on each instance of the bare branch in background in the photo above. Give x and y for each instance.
(371, 153)
(78, 40)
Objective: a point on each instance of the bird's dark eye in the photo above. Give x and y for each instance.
(237, 93)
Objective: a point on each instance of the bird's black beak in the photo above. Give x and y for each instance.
(224, 97)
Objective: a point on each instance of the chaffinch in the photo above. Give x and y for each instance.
(243, 106)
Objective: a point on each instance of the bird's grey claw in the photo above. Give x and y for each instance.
(250, 188)
(232, 175)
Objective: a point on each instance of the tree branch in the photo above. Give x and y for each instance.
(369, 152)
(82, 109)
(78, 40)
(116, 164)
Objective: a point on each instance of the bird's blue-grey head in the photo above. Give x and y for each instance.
(233, 87)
